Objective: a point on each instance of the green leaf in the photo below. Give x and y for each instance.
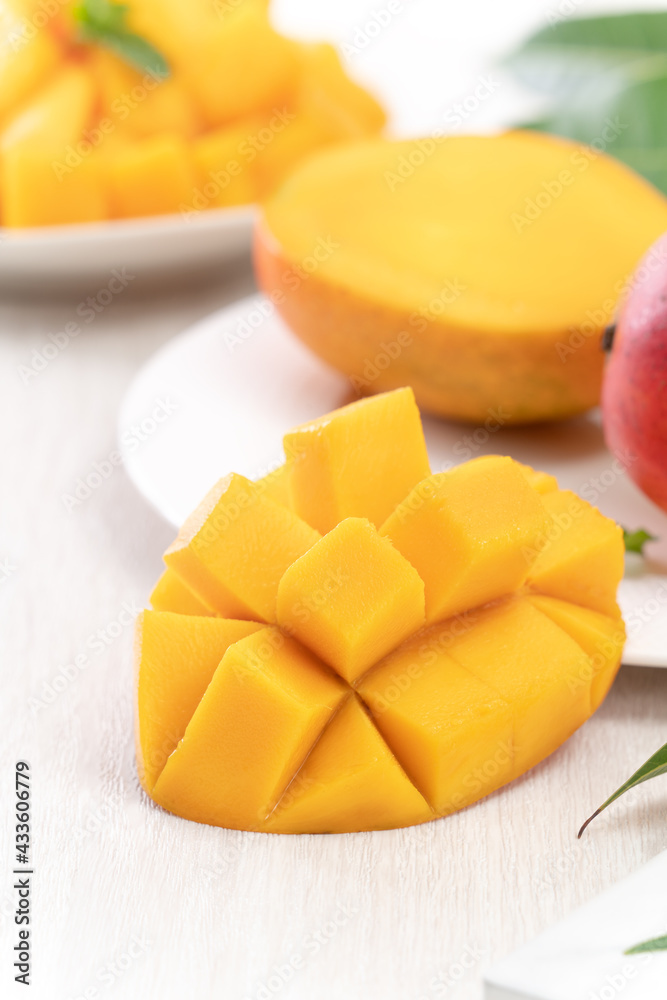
(655, 944)
(558, 57)
(636, 540)
(655, 765)
(606, 78)
(104, 23)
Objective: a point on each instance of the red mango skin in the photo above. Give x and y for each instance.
(634, 392)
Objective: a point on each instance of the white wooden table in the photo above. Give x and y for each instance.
(131, 902)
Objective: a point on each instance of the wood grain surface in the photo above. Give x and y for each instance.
(130, 902)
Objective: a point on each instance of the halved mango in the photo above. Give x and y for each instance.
(350, 713)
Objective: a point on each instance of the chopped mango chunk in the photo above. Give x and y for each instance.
(359, 461)
(233, 532)
(176, 657)
(276, 485)
(467, 533)
(173, 594)
(452, 732)
(540, 481)
(581, 556)
(351, 598)
(598, 635)
(538, 669)
(351, 781)
(221, 159)
(151, 177)
(262, 712)
(25, 64)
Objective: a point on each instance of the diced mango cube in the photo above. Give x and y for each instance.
(276, 485)
(173, 594)
(233, 550)
(175, 659)
(359, 461)
(536, 667)
(452, 732)
(598, 635)
(225, 176)
(260, 716)
(153, 176)
(467, 532)
(350, 781)
(581, 556)
(351, 598)
(25, 64)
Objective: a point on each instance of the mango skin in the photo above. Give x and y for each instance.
(634, 395)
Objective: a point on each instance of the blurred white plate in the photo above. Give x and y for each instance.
(219, 398)
(77, 254)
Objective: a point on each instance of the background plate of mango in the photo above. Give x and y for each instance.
(166, 119)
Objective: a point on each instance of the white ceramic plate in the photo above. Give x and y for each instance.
(219, 398)
(79, 254)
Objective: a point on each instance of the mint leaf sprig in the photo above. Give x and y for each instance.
(636, 540)
(655, 765)
(104, 23)
(655, 944)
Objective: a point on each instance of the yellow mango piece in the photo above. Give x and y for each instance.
(172, 594)
(351, 598)
(581, 556)
(151, 177)
(25, 63)
(44, 181)
(267, 703)
(175, 659)
(601, 637)
(235, 547)
(341, 106)
(144, 103)
(451, 731)
(358, 461)
(541, 672)
(284, 139)
(540, 481)
(224, 173)
(350, 781)
(467, 532)
(276, 485)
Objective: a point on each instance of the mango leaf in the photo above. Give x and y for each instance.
(636, 540)
(620, 114)
(556, 59)
(655, 765)
(104, 23)
(655, 944)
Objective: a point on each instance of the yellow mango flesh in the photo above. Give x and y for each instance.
(235, 530)
(351, 780)
(600, 636)
(359, 461)
(223, 173)
(276, 485)
(172, 594)
(351, 598)
(341, 106)
(351, 713)
(468, 532)
(262, 711)
(39, 187)
(534, 666)
(175, 659)
(581, 556)
(441, 280)
(452, 732)
(151, 177)
(25, 63)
